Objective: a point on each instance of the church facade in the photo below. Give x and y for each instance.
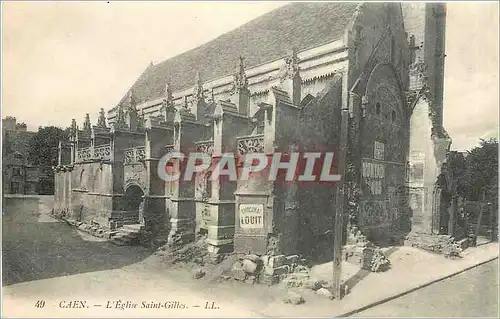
(364, 81)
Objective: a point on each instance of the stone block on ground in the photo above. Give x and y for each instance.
(269, 279)
(254, 258)
(293, 298)
(282, 270)
(325, 293)
(301, 269)
(198, 273)
(237, 271)
(276, 261)
(293, 259)
(296, 280)
(314, 284)
(249, 266)
(251, 280)
(265, 259)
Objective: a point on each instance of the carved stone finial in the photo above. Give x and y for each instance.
(86, 123)
(240, 81)
(186, 108)
(132, 102)
(120, 118)
(198, 87)
(74, 128)
(141, 120)
(169, 98)
(101, 121)
(291, 64)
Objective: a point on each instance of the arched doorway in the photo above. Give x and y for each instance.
(134, 203)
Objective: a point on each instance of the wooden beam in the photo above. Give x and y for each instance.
(339, 208)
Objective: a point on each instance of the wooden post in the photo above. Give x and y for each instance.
(339, 208)
(492, 222)
(453, 214)
(59, 153)
(478, 225)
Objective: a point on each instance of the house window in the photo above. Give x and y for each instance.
(377, 108)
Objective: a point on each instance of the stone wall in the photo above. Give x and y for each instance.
(425, 162)
(384, 146)
(427, 23)
(319, 130)
(372, 42)
(62, 192)
(92, 192)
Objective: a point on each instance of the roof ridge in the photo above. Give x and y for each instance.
(260, 40)
(150, 65)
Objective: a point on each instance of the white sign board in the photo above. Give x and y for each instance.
(252, 216)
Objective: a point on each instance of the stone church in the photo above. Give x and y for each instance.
(360, 79)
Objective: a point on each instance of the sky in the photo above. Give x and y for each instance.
(62, 60)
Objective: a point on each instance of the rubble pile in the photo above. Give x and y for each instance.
(266, 269)
(443, 244)
(293, 298)
(60, 214)
(302, 279)
(454, 250)
(195, 254)
(92, 228)
(198, 273)
(360, 251)
(247, 269)
(378, 261)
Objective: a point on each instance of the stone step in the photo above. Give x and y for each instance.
(124, 241)
(135, 227)
(128, 231)
(121, 241)
(112, 233)
(128, 235)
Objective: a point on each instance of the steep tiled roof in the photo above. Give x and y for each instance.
(267, 38)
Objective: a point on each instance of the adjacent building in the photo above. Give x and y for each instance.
(19, 176)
